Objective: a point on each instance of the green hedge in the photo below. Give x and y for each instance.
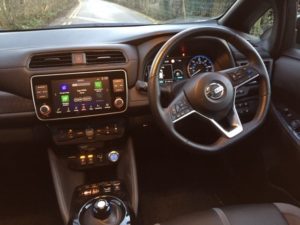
(30, 14)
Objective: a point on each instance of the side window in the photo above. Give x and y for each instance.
(263, 23)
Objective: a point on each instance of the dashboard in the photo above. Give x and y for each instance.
(68, 54)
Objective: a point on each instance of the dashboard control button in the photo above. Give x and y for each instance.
(90, 159)
(95, 191)
(82, 159)
(119, 103)
(116, 186)
(89, 133)
(87, 192)
(113, 156)
(107, 188)
(118, 85)
(79, 134)
(116, 129)
(70, 134)
(41, 91)
(45, 110)
(100, 157)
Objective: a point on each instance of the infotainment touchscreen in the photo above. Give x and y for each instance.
(85, 94)
(82, 94)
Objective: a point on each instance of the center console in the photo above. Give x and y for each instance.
(108, 206)
(91, 158)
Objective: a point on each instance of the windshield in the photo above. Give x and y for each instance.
(39, 14)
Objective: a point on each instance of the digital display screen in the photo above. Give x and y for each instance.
(81, 95)
(166, 73)
(170, 71)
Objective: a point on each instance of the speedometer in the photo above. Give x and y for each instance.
(200, 64)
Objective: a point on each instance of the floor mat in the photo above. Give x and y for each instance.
(173, 182)
(27, 194)
(161, 206)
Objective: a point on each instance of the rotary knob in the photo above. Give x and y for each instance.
(119, 103)
(45, 110)
(113, 156)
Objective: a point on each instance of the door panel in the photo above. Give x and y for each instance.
(286, 95)
(282, 140)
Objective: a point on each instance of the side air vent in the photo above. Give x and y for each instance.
(51, 60)
(104, 57)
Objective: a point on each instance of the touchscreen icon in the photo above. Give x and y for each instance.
(98, 84)
(65, 98)
(64, 87)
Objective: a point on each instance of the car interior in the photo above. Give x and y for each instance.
(181, 123)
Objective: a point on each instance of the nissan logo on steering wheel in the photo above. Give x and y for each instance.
(214, 91)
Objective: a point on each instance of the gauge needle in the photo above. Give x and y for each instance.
(196, 72)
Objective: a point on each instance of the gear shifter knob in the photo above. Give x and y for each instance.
(101, 209)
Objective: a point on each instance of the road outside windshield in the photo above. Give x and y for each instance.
(39, 14)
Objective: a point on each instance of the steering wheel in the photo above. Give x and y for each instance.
(211, 95)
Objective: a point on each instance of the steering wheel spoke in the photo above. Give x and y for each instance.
(179, 108)
(241, 75)
(233, 126)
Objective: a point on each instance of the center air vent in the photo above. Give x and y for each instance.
(104, 57)
(51, 60)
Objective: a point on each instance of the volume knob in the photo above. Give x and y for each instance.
(119, 103)
(45, 110)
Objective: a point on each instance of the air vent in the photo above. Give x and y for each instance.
(104, 57)
(51, 60)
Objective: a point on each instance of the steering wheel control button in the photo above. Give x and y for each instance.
(119, 103)
(180, 109)
(243, 75)
(45, 110)
(214, 91)
(113, 156)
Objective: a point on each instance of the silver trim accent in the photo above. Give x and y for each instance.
(236, 123)
(76, 73)
(235, 119)
(185, 115)
(247, 81)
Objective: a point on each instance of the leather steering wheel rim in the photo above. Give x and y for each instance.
(255, 62)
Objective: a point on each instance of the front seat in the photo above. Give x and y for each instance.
(262, 214)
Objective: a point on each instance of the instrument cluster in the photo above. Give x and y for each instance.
(176, 68)
(190, 58)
